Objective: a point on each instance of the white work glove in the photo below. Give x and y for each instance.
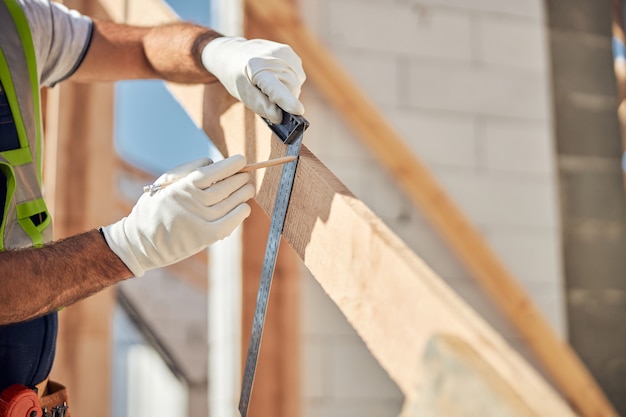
(262, 74)
(205, 204)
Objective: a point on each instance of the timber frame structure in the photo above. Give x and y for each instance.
(386, 292)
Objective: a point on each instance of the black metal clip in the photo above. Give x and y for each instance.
(59, 410)
(290, 128)
(56, 411)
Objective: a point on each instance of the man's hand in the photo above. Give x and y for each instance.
(264, 75)
(205, 204)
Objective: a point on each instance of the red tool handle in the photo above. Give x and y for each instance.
(19, 401)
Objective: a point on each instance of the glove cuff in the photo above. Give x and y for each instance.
(208, 55)
(117, 240)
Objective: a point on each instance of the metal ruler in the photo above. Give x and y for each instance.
(290, 132)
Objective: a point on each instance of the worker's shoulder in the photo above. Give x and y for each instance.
(41, 11)
(47, 16)
(35, 8)
(60, 37)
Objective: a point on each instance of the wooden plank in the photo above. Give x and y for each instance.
(556, 356)
(393, 300)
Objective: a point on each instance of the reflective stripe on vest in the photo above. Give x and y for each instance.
(26, 221)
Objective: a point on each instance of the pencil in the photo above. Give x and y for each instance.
(250, 167)
(268, 163)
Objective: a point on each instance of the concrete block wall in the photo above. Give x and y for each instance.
(467, 84)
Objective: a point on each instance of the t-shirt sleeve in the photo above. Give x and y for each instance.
(61, 38)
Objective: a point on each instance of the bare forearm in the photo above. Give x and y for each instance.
(34, 282)
(174, 52)
(169, 52)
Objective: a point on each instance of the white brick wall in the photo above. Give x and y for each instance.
(478, 90)
(530, 9)
(512, 146)
(516, 43)
(399, 28)
(466, 83)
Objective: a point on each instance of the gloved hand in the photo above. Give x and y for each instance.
(205, 204)
(264, 75)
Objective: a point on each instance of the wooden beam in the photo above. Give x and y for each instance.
(393, 300)
(79, 185)
(78, 189)
(280, 21)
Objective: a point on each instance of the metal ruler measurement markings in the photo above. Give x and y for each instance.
(290, 132)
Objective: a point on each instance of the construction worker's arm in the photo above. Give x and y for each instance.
(262, 74)
(37, 281)
(204, 204)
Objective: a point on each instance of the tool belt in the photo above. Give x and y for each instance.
(49, 399)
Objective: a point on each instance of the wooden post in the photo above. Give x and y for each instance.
(78, 177)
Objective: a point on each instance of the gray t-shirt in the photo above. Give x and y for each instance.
(61, 37)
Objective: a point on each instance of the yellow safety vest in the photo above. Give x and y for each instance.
(26, 220)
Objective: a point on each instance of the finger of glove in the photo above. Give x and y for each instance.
(225, 206)
(260, 103)
(292, 77)
(278, 93)
(264, 81)
(205, 176)
(281, 54)
(264, 107)
(182, 170)
(225, 225)
(222, 189)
